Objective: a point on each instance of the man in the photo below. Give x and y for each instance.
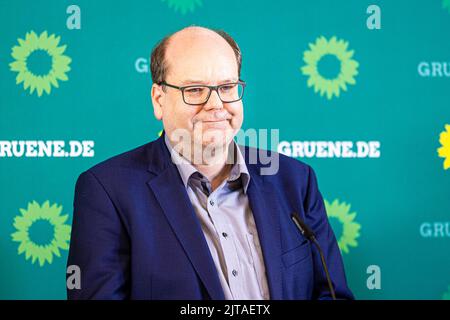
(189, 216)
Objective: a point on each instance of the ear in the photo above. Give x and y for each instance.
(158, 96)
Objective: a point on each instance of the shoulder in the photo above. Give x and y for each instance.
(274, 166)
(292, 180)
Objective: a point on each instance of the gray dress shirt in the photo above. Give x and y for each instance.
(229, 228)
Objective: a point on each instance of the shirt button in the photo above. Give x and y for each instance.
(224, 234)
(211, 202)
(234, 272)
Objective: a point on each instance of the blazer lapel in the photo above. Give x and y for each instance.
(265, 208)
(174, 200)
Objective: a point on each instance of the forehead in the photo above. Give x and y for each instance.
(205, 56)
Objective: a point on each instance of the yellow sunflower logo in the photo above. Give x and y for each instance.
(350, 228)
(55, 237)
(42, 45)
(319, 51)
(183, 5)
(444, 151)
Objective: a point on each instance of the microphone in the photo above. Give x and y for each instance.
(309, 234)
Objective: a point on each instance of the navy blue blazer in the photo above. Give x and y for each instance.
(135, 234)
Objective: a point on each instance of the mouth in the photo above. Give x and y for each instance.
(218, 124)
(214, 121)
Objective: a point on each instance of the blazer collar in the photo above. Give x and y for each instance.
(186, 169)
(265, 203)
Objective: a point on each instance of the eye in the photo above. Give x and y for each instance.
(227, 87)
(194, 90)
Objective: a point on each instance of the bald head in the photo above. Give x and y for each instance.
(191, 42)
(195, 34)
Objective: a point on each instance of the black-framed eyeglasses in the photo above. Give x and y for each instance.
(199, 94)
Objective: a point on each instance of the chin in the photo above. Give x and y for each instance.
(217, 137)
(214, 142)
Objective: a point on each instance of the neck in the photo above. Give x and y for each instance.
(216, 168)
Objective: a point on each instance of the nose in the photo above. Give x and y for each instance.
(214, 101)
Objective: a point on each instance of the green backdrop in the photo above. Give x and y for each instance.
(316, 70)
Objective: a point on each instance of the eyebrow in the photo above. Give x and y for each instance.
(192, 81)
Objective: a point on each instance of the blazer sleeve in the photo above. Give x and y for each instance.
(317, 219)
(99, 243)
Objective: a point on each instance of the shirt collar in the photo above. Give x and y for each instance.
(186, 169)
